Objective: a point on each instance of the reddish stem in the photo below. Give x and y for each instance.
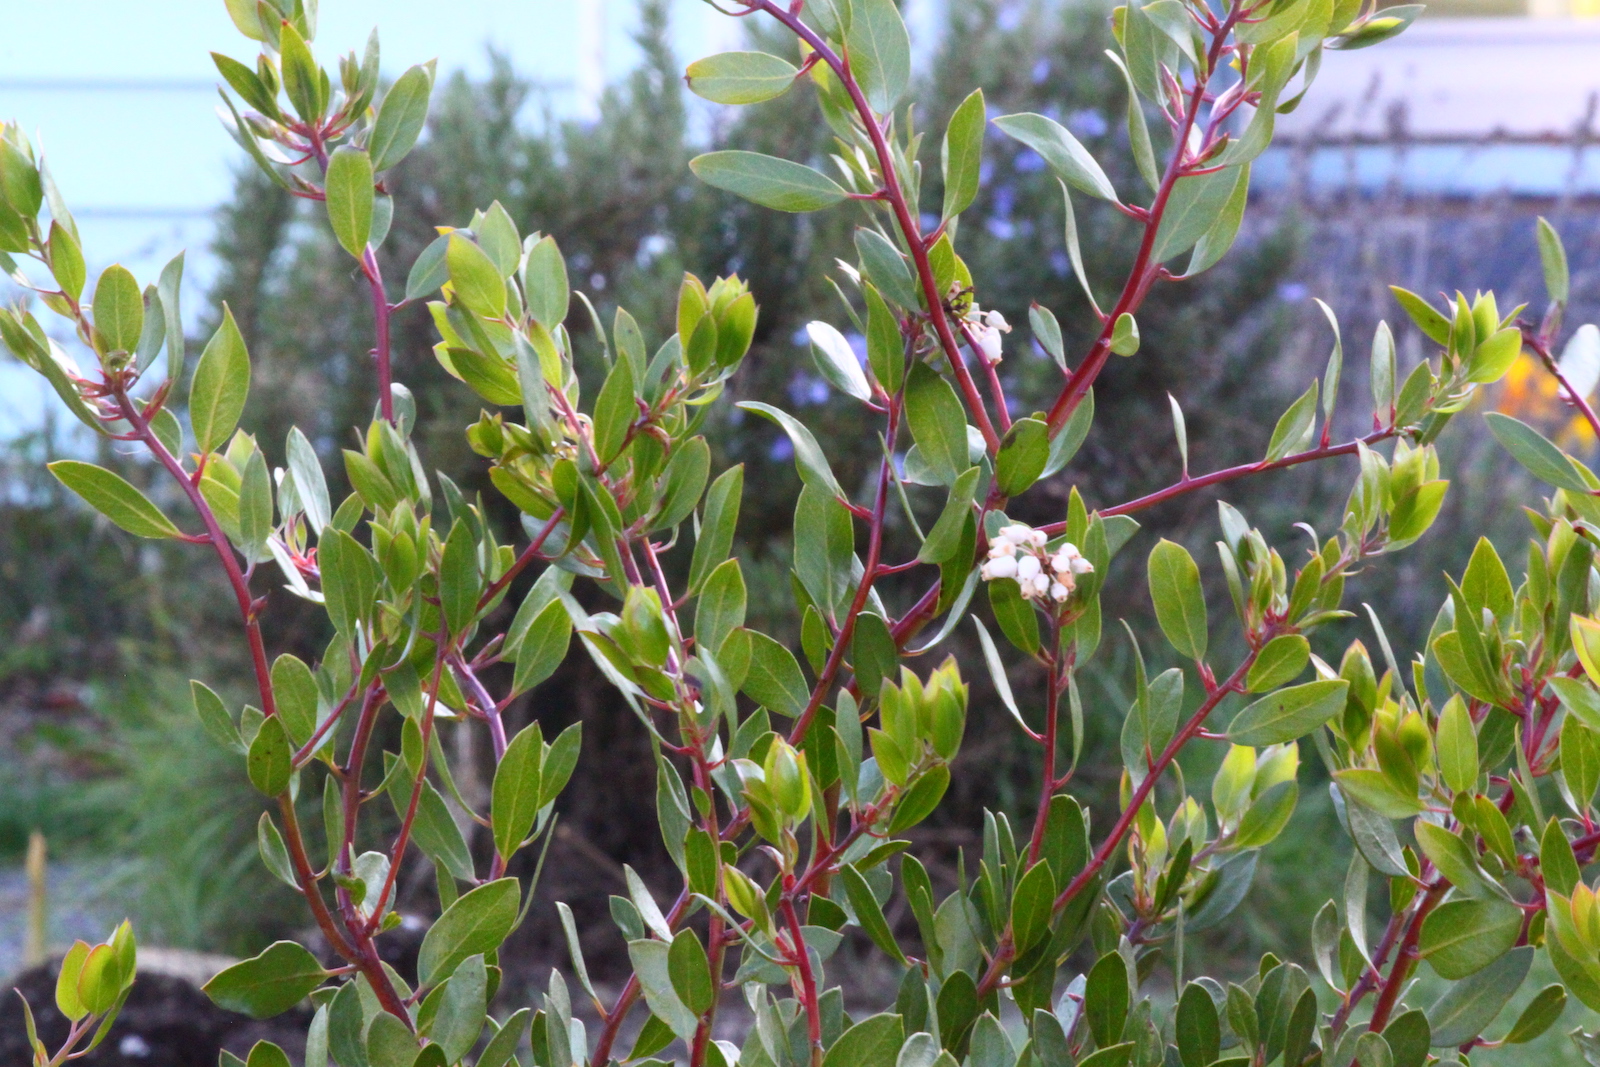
(398, 852)
(905, 217)
(808, 981)
(1113, 841)
(1144, 272)
(1404, 958)
(1228, 474)
(1048, 772)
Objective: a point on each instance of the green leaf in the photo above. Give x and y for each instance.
(1198, 1030)
(1125, 335)
(1485, 584)
(270, 762)
(477, 281)
(559, 762)
(1180, 602)
(1542, 459)
(1461, 937)
(274, 855)
(1542, 1012)
(1224, 229)
(809, 459)
(1016, 616)
(349, 578)
(460, 1017)
(118, 309)
(937, 421)
(255, 506)
(401, 118)
(885, 346)
(918, 802)
(714, 539)
(543, 647)
(302, 81)
(1024, 453)
(1267, 815)
(1470, 1005)
(1196, 208)
(459, 580)
(114, 498)
(836, 361)
(266, 1054)
(961, 154)
(1294, 426)
(1106, 999)
(944, 539)
(1071, 438)
(214, 717)
(348, 187)
(1030, 906)
(1279, 663)
(650, 961)
(1373, 789)
(873, 652)
(269, 984)
(549, 294)
(720, 608)
(1434, 325)
(1065, 154)
(690, 972)
(1456, 860)
(1553, 258)
(1580, 763)
(872, 1042)
(767, 180)
(774, 680)
(869, 913)
(886, 269)
(1457, 746)
(879, 50)
(614, 411)
(220, 385)
(1288, 714)
(1493, 357)
(476, 923)
(294, 689)
(515, 802)
(740, 77)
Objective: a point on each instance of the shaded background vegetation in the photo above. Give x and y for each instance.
(102, 631)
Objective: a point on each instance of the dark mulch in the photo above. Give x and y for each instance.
(167, 1022)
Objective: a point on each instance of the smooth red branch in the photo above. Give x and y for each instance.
(1243, 470)
(1144, 271)
(904, 213)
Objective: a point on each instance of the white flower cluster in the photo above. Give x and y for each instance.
(1019, 552)
(986, 327)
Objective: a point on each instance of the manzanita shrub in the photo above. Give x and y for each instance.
(787, 784)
